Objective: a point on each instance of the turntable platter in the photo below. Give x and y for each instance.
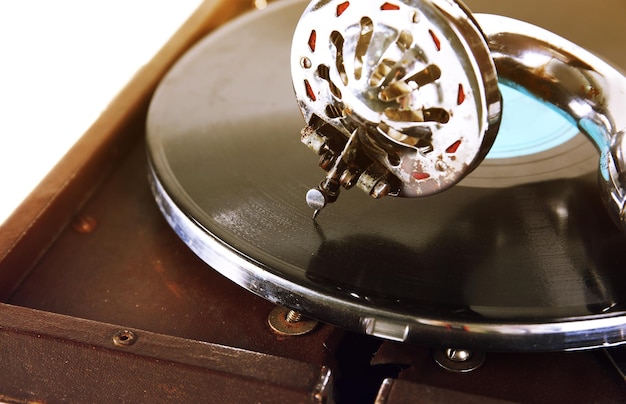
(537, 266)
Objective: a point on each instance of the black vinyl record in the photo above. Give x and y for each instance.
(533, 266)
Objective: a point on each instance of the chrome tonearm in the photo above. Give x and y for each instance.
(401, 97)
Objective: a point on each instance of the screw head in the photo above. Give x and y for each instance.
(458, 355)
(124, 338)
(84, 224)
(315, 199)
(459, 360)
(282, 321)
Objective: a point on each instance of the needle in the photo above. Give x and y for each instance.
(316, 200)
(328, 190)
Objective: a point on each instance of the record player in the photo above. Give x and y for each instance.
(172, 251)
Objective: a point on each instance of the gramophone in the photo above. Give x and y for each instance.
(489, 239)
(402, 99)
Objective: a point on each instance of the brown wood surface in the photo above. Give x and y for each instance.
(48, 357)
(28, 232)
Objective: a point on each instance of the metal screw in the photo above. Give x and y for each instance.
(289, 322)
(458, 360)
(84, 224)
(349, 177)
(293, 316)
(124, 338)
(441, 165)
(381, 189)
(305, 62)
(315, 199)
(458, 355)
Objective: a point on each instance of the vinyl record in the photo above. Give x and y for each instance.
(537, 266)
(535, 143)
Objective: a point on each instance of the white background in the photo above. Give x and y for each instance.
(61, 62)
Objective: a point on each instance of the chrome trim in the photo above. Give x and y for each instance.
(569, 334)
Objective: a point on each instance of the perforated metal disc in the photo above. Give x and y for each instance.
(415, 77)
(530, 267)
